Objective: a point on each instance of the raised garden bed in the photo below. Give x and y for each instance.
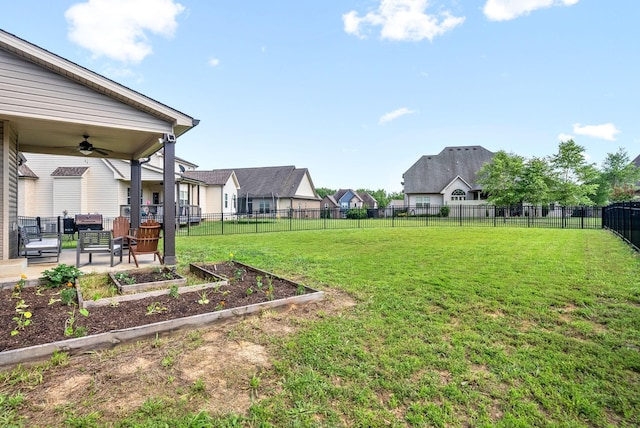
(145, 314)
(137, 280)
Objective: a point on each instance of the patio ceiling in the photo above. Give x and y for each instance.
(62, 138)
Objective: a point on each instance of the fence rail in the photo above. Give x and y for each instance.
(623, 218)
(322, 219)
(448, 215)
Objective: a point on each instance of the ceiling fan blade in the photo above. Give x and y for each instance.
(103, 152)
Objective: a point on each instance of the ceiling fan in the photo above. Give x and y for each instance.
(86, 148)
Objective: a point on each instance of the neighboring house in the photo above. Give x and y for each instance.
(51, 185)
(446, 178)
(218, 191)
(394, 206)
(336, 205)
(275, 188)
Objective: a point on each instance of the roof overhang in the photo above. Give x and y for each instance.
(38, 135)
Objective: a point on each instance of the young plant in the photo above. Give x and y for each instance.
(301, 290)
(69, 325)
(125, 278)
(155, 308)
(23, 317)
(19, 286)
(203, 298)
(68, 295)
(220, 306)
(259, 282)
(249, 291)
(269, 292)
(173, 291)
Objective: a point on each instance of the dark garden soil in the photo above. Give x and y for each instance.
(50, 318)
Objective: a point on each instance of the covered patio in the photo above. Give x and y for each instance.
(11, 273)
(53, 106)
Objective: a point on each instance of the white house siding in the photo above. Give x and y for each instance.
(29, 90)
(230, 189)
(99, 192)
(305, 188)
(457, 183)
(27, 197)
(434, 199)
(66, 191)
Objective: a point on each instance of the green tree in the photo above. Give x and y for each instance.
(535, 182)
(500, 178)
(575, 180)
(324, 191)
(618, 177)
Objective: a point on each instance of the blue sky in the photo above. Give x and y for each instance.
(357, 90)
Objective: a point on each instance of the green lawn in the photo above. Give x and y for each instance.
(456, 327)
(452, 327)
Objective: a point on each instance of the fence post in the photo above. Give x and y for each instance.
(222, 223)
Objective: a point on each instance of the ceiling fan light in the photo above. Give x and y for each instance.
(85, 152)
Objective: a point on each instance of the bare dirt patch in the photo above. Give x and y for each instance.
(221, 360)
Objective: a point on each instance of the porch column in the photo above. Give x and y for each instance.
(169, 203)
(136, 193)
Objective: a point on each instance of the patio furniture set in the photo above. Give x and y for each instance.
(38, 246)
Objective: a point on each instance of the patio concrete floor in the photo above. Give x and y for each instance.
(9, 275)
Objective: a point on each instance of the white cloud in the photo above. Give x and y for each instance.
(118, 29)
(504, 10)
(606, 131)
(565, 137)
(214, 62)
(401, 20)
(394, 115)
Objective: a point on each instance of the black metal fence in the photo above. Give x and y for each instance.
(324, 219)
(623, 218)
(447, 215)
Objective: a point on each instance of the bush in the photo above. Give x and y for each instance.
(356, 213)
(444, 211)
(61, 275)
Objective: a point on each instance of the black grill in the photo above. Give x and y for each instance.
(88, 222)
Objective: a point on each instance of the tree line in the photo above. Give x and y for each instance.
(565, 178)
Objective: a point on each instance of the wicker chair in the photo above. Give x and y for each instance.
(145, 241)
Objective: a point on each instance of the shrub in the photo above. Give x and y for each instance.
(356, 213)
(61, 275)
(444, 211)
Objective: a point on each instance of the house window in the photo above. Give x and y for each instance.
(458, 195)
(234, 201)
(184, 197)
(265, 207)
(226, 200)
(423, 201)
(128, 195)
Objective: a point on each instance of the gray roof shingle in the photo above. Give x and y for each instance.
(281, 181)
(69, 171)
(217, 177)
(432, 173)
